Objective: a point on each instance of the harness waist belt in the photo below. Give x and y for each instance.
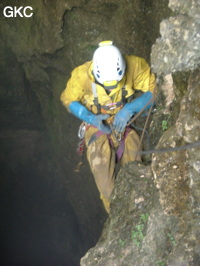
(120, 149)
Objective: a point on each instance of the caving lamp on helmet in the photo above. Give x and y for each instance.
(108, 65)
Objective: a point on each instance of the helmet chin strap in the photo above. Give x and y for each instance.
(110, 85)
(108, 91)
(106, 88)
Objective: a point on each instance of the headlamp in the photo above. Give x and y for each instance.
(110, 85)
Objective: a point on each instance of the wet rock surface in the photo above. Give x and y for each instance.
(170, 235)
(178, 47)
(177, 175)
(154, 218)
(136, 232)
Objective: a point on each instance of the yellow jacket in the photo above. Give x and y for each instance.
(79, 87)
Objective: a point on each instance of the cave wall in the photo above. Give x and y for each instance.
(178, 48)
(37, 56)
(154, 217)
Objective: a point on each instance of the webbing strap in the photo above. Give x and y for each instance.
(106, 107)
(120, 149)
(98, 134)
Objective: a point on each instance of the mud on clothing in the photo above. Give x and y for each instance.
(100, 154)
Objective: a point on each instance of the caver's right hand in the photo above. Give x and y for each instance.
(84, 114)
(98, 121)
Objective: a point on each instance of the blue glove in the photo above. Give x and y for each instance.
(84, 114)
(123, 116)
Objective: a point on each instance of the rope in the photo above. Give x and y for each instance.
(144, 129)
(179, 148)
(184, 147)
(147, 119)
(140, 112)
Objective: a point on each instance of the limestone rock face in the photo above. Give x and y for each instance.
(45, 24)
(137, 232)
(177, 175)
(164, 196)
(154, 218)
(178, 47)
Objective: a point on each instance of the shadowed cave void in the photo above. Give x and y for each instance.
(38, 224)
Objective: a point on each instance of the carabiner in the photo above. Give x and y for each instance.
(82, 130)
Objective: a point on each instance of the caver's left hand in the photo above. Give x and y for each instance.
(123, 116)
(121, 119)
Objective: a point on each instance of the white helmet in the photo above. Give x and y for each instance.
(108, 65)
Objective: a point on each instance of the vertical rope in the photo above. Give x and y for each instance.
(147, 119)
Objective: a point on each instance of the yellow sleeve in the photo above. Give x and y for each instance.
(74, 90)
(143, 79)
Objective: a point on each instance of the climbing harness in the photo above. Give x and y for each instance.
(120, 149)
(100, 109)
(81, 145)
(121, 139)
(96, 101)
(109, 106)
(118, 136)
